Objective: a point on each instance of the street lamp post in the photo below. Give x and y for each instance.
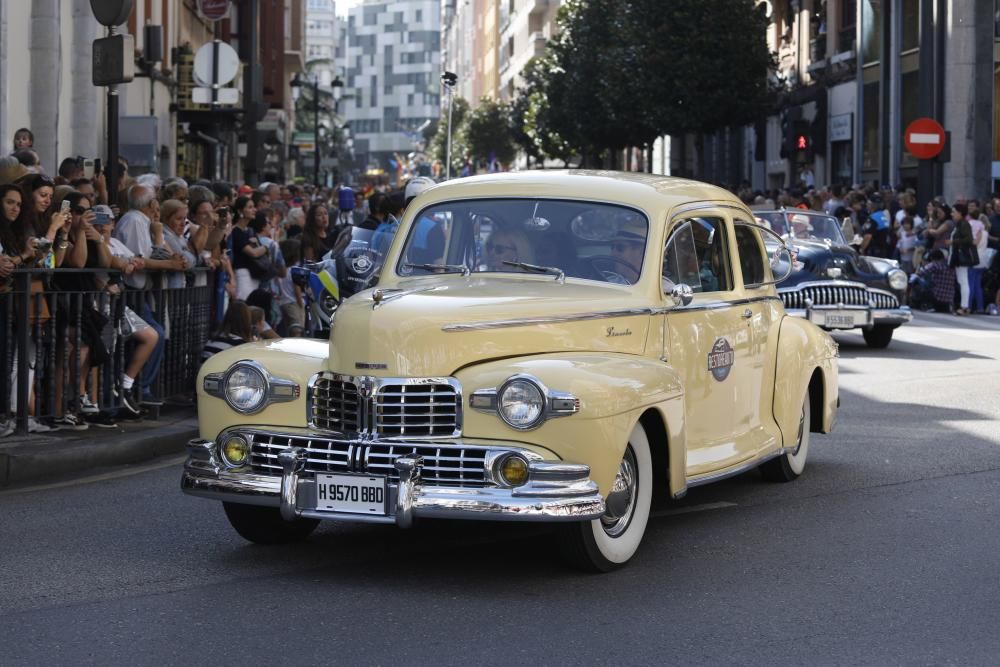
(449, 79)
(338, 87)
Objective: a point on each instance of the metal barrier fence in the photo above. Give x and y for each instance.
(77, 340)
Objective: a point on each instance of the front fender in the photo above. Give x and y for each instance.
(614, 391)
(296, 359)
(804, 348)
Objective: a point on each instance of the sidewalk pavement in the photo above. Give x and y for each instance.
(48, 457)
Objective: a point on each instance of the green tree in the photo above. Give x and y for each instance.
(623, 72)
(488, 132)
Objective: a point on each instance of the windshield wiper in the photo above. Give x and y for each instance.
(551, 270)
(443, 268)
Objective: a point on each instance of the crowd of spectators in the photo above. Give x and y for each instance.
(238, 242)
(950, 250)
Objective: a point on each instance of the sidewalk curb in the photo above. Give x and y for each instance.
(32, 463)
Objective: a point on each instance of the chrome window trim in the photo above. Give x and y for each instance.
(277, 389)
(675, 217)
(365, 416)
(556, 403)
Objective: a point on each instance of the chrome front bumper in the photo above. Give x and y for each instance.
(878, 316)
(555, 491)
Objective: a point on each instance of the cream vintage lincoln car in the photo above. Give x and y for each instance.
(541, 346)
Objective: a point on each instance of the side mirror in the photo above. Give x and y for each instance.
(782, 263)
(682, 294)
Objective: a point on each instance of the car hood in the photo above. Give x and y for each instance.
(817, 257)
(433, 326)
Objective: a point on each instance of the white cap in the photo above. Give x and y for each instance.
(417, 185)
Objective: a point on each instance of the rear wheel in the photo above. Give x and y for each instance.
(879, 336)
(264, 525)
(608, 542)
(789, 466)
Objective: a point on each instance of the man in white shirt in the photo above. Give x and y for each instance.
(133, 229)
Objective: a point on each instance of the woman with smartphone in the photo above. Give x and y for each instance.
(246, 247)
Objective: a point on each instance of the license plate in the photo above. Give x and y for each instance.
(352, 494)
(841, 319)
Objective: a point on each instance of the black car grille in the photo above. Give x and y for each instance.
(443, 465)
(833, 295)
(398, 408)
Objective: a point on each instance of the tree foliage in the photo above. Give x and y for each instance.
(488, 132)
(622, 72)
(439, 143)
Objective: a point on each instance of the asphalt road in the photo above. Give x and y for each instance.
(885, 552)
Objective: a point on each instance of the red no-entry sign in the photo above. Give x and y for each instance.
(924, 138)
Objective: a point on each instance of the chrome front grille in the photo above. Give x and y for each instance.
(386, 407)
(833, 295)
(444, 465)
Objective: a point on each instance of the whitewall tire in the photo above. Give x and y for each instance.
(790, 465)
(609, 542)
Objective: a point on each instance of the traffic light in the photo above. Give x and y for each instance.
(801, 141)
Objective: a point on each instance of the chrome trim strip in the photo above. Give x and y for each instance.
(549, 319)
(708, 478)
(367, 406)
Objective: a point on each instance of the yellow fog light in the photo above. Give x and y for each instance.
(235, 450)
(514, 470)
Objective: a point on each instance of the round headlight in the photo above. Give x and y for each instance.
(235, 450)
(246, 389)
(897, 279)
(521, 404)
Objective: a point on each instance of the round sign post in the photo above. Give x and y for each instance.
(111, 13)
(924, 138)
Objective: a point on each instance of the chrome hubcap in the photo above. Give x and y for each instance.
(802, 426)
(621, 500)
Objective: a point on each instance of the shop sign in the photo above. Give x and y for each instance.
(842, 127)
(213, 10)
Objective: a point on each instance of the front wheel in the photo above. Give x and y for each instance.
(607, 543)
(879, 336)
(790, 465)
(264, 525)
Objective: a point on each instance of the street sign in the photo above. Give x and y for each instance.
(925, 138)
(228, 68)
(111, 13)
(112, 60)
(213, 10)
(225, 96)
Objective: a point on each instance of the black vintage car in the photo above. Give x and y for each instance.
(834, 286)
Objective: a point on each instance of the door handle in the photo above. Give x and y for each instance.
(747, 314)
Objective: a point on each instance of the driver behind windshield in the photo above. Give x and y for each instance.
(508, 245)
(801, 228)
(627, 246)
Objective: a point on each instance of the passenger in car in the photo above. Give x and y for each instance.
(508, 245)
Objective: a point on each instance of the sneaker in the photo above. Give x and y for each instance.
(6, 428)
(36, 426)
(125, 414)
(101, 420)
(149, 399)
(129, 404)
(994, 310)
(87, 406)
(70, 422)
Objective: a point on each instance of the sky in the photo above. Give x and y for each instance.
(344, 5)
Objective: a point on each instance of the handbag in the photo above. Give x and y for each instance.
(260, 267)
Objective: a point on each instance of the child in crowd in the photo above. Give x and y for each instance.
(932, 287)
(906, 244)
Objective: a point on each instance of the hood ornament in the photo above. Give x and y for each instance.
(377, 296)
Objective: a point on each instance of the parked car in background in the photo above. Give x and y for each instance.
(541, 346)
(835, 287)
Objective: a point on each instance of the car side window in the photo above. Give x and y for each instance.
(696, 255)
(751, 256)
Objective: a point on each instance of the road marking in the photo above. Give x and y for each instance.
(693, 508)
(115, 474)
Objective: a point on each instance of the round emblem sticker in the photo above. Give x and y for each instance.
(362, 264)
(720, 359)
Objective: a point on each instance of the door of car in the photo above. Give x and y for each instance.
(756, 428)
(707, 338)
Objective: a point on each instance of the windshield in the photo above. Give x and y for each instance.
(802, 225)
(574, 239)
